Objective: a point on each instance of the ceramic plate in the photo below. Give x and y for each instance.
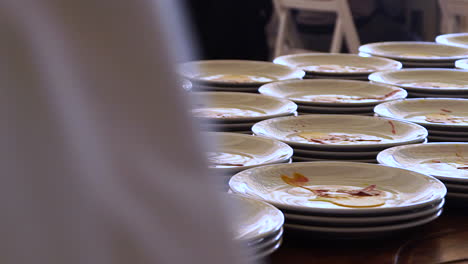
(237, 151)
(237, 72)
(240, 107)
(329, 92)
(373, 220)
(304, 186)
(446, 161)
(415, 51)
(455, 39)
(267, 251)
(462, 64)
(340, 132)
(430, 112)
(254, 219)
(337, 64)
(425, 80)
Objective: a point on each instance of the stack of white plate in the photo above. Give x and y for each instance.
(446, 83)
(257, 226)
(462, 64)
(235, 75)
(337, 66)
(339, 137)
(415, 54)
(454, 39)
(446, 119)
(237, 112)
(344, 200)
(329, 96)
(446, 161)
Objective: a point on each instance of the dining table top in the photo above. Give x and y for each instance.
(444, 240)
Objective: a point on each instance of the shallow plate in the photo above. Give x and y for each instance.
(337, 64)
(373, 220)
(455, 39)
(400, 189)
(235, 151)
(267, 251)
(415, 51)
(364, 132)
(329, 92)
(237, 72)
(462, 64)
(240, 107)
(254, 219)
(267, 242)
(437, 113)
(425, 80)
(437, 159)
(436, 138)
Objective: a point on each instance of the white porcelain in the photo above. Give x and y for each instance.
(401, 189)
(454, 39)
(294, 131)
(429, 112)
(323, 92)
(415, 51)
(444, 81)
(268, 251)
(239, 107)
(338, 64)
(437, 159)
(237, 72)
(462, 64)
(266, 241)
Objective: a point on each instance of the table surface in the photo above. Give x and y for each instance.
(444, 240)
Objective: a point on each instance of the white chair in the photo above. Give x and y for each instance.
(345, 28)
(454, 16)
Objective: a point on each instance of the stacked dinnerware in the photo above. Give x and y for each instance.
(446, 83)
(235, 75)
(416, 54)
(337, 66)
(446, 119)
(237, 112)
(344, 200)
(257, 226)
(455, 39)
(330, 96)
(447, 162)
(339, 137)
(462, 64)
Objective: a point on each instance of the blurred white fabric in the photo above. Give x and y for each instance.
(100, 161)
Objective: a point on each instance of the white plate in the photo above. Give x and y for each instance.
(306, 159)
(455, 39)
(422, 158)
(418, 110)
(373, 220)
(422, 80)
(462, 64)
(403, 189)
(254, 219)
(237, 72)
(240, 107)
(291, 130)
(266, 252)
(352, 92)
(365, 230)
(437, 138)
(267, 242)
(337, 64)
(247, 151)
(415, 51)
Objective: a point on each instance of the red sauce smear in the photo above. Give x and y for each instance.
(393, 127)
(445, 110)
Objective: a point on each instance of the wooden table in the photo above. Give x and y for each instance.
(441, 241)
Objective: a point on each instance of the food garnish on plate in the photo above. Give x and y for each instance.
(350, 98)
(432, 85)
(337, 138)
(445, 118)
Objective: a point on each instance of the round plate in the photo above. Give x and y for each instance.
(237, 72)
(329, 92)
(437, 159)
(365, 132)
(267, 242)
(267, 251)
(462, 64)
(403, 189)
(240, 107)
(455, 39)
(425, 80)
(254, 219)
(415, 51)
(373, 220)
(337, 64)
(434, 113)
(235, 151)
